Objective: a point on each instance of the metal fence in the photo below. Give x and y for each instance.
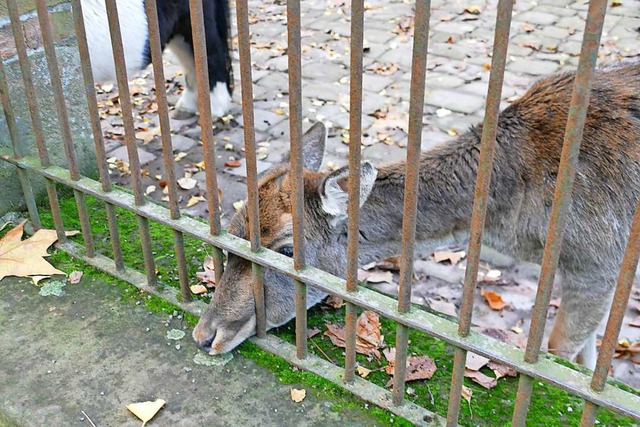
(531, 367)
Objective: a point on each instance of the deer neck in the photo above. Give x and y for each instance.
(445, 200)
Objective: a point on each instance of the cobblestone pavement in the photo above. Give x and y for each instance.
(545, 37)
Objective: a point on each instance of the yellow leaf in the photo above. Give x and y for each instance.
(362, 371)
(493, 299)
(24, 258)
(298, 395)
(194, 200)
(146, 410)
(198, 289)
(467, 393)
(181, 155)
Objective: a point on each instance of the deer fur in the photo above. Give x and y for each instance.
(527, 153)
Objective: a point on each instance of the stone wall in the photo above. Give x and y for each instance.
(61, 17)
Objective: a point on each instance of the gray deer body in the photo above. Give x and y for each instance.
(528, 147)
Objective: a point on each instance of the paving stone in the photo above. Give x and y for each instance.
(375, 82)
(554, 32)
(454, 101)
(263, 119)
(121, 153)
(532, 66)
(455, 27)
(328, 71)
(242, 169)
(556, 10)
(432, 139)
(448, 50)
(533, 17)
(571, 47)
(279, 63)
(444, 81)
(323, 90)
(182, 143)
(277, 81)
(574, 22)
(401, 56)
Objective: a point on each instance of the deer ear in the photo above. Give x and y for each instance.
(313, 143)
(334, 189)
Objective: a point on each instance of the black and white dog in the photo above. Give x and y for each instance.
(175, 32)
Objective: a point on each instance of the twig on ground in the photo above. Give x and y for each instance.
(88, 419)
(322, 351)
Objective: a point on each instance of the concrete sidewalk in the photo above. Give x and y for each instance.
(89, 351)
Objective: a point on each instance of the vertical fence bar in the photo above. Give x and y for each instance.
(244, 47)
(562, 197)
(297, 164)
(481, 197)
(129, 137)
(416, 110)
(353, 208)
(616, 316)
(34, 110)
(63, 122)
(208, 144)
(9, 115)
(155, 47)
(94, 117)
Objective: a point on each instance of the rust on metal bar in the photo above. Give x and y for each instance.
(416, 110)
(355, 163)
(155, 47)
(253, 213)
(94, 118)
(546, 369)
(206, 127)
(562, 197)
(619, 305)
(294, 54)
(129, 136)
(10, 118)
(481, 196)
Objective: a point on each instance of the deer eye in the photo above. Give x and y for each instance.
(286, 251)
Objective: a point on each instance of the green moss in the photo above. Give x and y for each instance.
(550, 406)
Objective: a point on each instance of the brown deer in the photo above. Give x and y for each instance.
(528, 147)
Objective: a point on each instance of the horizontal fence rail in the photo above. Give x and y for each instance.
(591, 388)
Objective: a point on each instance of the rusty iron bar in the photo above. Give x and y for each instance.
(206, 127)
(34, 110)
(63, 121)
(129, 137)
(481, 197)
(546, 369)
(619, 305)
(562, 197)
(412, 176)
(155, 47)
(94, 117)
(253, 209)
(355, 163)
(10, 118)
(296, 174)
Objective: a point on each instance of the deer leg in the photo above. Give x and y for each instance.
(582, 308)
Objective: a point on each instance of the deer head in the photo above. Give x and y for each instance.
(230, 318)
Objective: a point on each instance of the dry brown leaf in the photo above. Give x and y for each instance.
(362, 371)
(616, 3)
(75, 277)
(466, 393)
(298, 395)
(418, 367)
(375, 276)
(232, 163)
(502, 370)
(198, 289)
(194, 200)
(147, 135)
(187, 183)
(493, 299)
(146, 410)
(368, 337)
(518, 340)
(475, 362)
(24, 258)
(474, 9)
(207, 276)
(313, 332)
(334, 302)
(480, 378)
(452, 257)
(450, 40)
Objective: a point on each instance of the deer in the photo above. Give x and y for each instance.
(528, 147)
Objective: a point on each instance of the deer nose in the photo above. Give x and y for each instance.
(206, 344)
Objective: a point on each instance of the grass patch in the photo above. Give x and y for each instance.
(550, 406)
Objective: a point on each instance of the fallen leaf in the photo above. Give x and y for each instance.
(527, 27)
(362, 371)
(232, 163)
(501, 370)
(187, 183)
(375, 276)
(198, 289)
(480, 378)
(237, 206)
(518, 340)
(493, 299)
(466, 393)
(150, 189)
(146, 410)
(616, 3)
(75, 277)
(146, 136)
(450, 40)
(486, 66)
(475, 362)
(313, 332)
(635, 322)
(368, 337)
(24, 258)
(181, 155)
(473, 9)
(298, 395)
(37, 279)
(452, 257)
(417, 368)
(194, 200)
(207, 276)
(334, 302)
(106, 88)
